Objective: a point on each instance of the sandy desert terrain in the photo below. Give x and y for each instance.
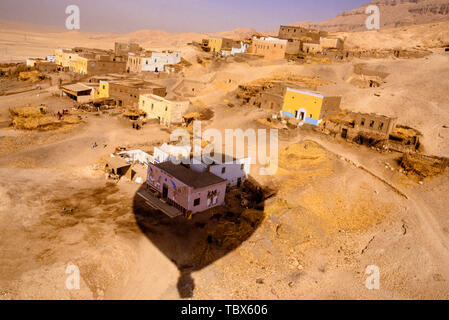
(338, 207)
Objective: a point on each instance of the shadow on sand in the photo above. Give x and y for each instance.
(192, 244)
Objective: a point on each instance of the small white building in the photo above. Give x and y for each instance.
(167, 152)
(158, 60)
(50, 58)
(235, 171)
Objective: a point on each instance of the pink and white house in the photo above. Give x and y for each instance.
(185, 189)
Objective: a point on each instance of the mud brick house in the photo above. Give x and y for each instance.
(186, 190)
(269, 97)
(123, 48)
(47, 67)
(363, 128)
(274, 48)
(373, 125)
(90, 61)
(95, 64)
(311, 47)
(300, 33)
(268, 47)
(217, 44)
(309, 106)
(127, 93)
(167, 112)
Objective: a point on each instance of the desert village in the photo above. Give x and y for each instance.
(121, 105)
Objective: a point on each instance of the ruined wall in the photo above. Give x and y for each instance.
(294, 32)
(374, 124)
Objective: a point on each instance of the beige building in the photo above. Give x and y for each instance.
(123, 48)
(126, 93)
(273, 48)
(309, 47)
(168, 112)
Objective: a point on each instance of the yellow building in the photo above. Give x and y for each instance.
(59, 57)
(218, 44)
(308, 106)
(103, 90)
(65, 57)
(78, 64)
(215, 44)
(166, 111)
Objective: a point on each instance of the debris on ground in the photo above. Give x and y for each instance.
(423, 166)
(37, 118)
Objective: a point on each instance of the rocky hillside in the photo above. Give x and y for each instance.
(394, 13)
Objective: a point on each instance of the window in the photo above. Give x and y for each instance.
(166, 108)
(152, 106)
(242, 166)
(371, 124)
(104, 87)
(196, 202)
(223, 170)
(381, 125)
(310, 116)
(362, 122)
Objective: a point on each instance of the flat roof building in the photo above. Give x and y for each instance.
(186, 190)
(78, 92)
(309, 106)
(167, 112)
(127, 93)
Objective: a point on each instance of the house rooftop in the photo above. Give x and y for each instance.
(270, 39)
(189, 177)
(77, 87)
(161, 99)
(309, 92)
(136, 84)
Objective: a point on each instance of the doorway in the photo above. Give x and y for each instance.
(344, 133)
(300, 115)
(164, 191)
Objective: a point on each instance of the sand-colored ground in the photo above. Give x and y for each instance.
(338, 208)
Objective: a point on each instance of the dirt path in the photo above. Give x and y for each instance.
(430, 227)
